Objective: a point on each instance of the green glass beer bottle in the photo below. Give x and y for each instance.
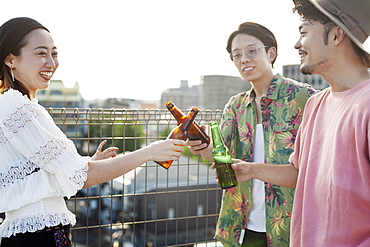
(179, 132)
(222, 159)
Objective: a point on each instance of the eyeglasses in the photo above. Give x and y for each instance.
(251, 52)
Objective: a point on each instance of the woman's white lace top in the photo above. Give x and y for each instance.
(39, 166)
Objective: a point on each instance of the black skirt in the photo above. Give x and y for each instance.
(57, 236)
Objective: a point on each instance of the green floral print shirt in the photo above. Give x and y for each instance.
(282, 110)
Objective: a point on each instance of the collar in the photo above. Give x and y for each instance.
(272, 92)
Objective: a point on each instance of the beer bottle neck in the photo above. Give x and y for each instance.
(176, 112)
(189, 119)
(216, 135)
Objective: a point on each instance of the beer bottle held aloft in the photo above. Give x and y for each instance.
(194, 132)
(179, 132)
(222, 159)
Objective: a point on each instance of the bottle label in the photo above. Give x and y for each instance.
(226, 175)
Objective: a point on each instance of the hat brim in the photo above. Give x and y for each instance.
(365, 47)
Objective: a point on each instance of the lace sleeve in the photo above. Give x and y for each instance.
(32, 134)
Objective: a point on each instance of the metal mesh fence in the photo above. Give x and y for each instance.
(149, 206)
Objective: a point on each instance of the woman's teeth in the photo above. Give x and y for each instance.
(47, 75)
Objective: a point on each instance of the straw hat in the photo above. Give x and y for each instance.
(353, 17)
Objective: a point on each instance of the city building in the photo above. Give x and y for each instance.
(217, 90)
(316, 81)
(119, 103)
(184, 97)
(213, 92)
(58, 96)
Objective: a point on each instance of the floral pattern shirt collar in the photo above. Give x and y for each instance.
(272, 92)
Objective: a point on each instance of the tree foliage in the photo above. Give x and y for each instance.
(126, 135)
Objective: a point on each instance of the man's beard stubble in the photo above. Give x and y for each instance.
(310, 69)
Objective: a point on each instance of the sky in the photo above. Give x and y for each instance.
(137, 49)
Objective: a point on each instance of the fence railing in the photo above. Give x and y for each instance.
(149, 206)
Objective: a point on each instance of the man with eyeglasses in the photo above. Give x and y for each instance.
(259, 125)
(330, 166)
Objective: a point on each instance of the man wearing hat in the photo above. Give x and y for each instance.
(330, 166)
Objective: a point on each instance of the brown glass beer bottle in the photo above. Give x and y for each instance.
(179, 132)
(194, 132)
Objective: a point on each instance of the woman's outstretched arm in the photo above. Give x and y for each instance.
(107, 169)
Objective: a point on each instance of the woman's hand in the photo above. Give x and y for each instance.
(163, 150)
(107, 153)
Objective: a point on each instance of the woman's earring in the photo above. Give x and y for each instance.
(11, 72)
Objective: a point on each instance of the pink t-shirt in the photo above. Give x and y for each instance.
(332, 152)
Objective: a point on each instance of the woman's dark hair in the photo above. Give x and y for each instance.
(6, 83)
(256, 30)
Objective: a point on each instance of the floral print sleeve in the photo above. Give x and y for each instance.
(282, 110)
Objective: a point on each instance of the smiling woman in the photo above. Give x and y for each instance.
(12, 43)
(39, 165)
(42, 54)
